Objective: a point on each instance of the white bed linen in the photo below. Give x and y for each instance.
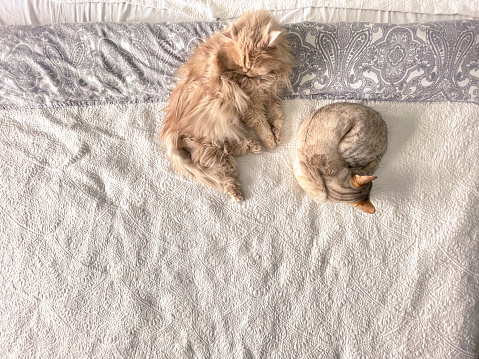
(37, 12)
(212, 9)
(110, 254)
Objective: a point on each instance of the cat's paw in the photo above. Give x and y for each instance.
(235, 193)
(278, 134)
(255, 147)
(269, 143)
(226, 77)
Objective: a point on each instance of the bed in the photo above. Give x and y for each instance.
(107, 253)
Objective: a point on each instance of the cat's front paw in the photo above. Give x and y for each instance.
(278, 133)
(226, 77)
(269, 142)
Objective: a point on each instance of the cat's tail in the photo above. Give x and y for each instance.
(307, 173)
(203, 161)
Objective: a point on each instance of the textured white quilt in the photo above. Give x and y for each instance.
(105, 253)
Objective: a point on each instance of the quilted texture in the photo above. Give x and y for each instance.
(106, 253)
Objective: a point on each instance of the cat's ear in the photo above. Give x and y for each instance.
(227, 33)
(365, 206)
(358, 181)
(272, 36)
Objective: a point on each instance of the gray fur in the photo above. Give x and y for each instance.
(335, 143)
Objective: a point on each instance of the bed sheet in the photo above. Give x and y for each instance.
(212, 9)
(38, 12)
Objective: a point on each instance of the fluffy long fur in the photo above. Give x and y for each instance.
(338, 147)
(231, 84)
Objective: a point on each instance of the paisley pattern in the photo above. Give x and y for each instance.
(73, 64)
(415, 62)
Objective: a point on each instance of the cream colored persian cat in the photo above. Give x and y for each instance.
(338, 147)
(230, 86)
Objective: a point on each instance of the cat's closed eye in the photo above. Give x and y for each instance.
(253, 65)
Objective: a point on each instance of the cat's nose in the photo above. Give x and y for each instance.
(245, 70)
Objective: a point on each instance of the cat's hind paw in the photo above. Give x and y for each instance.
(236, 194)
(255, 147)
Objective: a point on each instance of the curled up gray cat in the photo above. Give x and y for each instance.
(338, 148)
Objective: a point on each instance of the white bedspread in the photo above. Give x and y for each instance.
(106, 253)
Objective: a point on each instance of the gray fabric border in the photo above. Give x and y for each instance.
(88, 64)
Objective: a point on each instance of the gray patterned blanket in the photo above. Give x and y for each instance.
(75, 64)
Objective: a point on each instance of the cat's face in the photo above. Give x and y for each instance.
(253, 58)
(255, 47)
